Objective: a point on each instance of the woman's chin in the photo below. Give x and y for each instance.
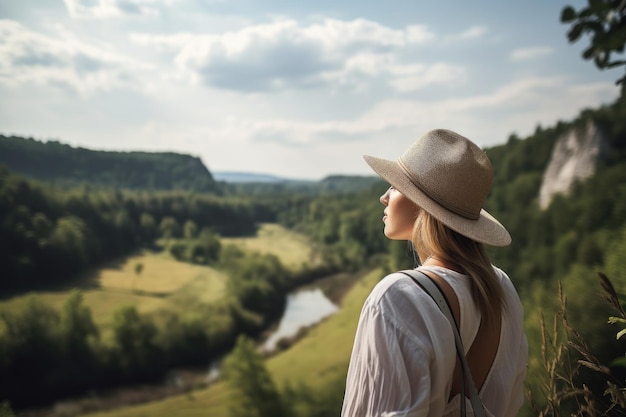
(392, 236)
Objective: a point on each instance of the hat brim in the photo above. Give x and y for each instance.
(486, 229)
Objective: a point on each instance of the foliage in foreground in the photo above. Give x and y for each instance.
(566, 354)
(605, 22)
(6, 410)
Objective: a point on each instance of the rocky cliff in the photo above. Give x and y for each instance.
(573, 159)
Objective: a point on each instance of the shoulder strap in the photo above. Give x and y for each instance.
(435, 293)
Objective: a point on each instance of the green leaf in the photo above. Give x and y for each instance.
(598, 6)
(621, 362)
(575, 32)
(568, 14)
(620, 334)
(613, 41)
(589, 52)
(585, 13)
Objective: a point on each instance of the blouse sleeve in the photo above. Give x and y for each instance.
(390, 367)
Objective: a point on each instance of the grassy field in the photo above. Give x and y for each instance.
(293, 250)
(319, 357)
(163, 283)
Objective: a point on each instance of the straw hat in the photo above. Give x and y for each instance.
(450, 177)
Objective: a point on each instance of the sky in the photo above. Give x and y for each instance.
(298, 89)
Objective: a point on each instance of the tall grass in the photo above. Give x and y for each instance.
(564, 354)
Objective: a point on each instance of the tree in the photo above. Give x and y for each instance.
(178, 250)
(190, 229)
(78, 334)
(253, 392)
(169, 227)
(30, 353)
(77, 325)
(135, 337)
(210, 246)
(138, 268)
(605, 21)
(258, 282)
(42, 226)
(70, 238)
(148, 228)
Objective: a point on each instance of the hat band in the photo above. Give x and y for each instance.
(435, 197)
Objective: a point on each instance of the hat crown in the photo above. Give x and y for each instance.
(451, 170)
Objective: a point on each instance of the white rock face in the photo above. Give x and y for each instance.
(574, 158)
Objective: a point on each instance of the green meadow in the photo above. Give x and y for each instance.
(293, 249)
(162, 282)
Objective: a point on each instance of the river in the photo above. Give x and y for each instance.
(305, 307)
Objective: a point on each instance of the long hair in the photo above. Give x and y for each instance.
(433, 238)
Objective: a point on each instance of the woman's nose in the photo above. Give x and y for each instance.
(384, 199)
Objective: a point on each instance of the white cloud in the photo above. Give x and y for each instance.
(63, 60)
(105, 9)
(286, 54)
(518, 93)
(472, 33)
(417, 76)
(526, 54)
(525, 101)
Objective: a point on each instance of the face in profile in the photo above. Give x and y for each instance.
(399, 215)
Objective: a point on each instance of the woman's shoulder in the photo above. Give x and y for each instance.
(513, 301)
(399, 295)
(401, 284)
(395, 284)
(407, 309)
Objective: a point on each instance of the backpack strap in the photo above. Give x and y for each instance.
(433, 290)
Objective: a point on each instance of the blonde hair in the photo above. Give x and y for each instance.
(433, 238)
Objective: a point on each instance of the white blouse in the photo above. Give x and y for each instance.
(404, 354)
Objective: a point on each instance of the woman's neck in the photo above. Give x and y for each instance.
(436, 261)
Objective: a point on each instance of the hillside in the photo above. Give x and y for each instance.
(66, 165)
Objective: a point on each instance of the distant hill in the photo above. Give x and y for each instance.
(66, 165)
(250, 184)
(332, 183)
(247, 177)
(348, 183)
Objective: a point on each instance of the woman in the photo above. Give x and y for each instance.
(403, 361)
